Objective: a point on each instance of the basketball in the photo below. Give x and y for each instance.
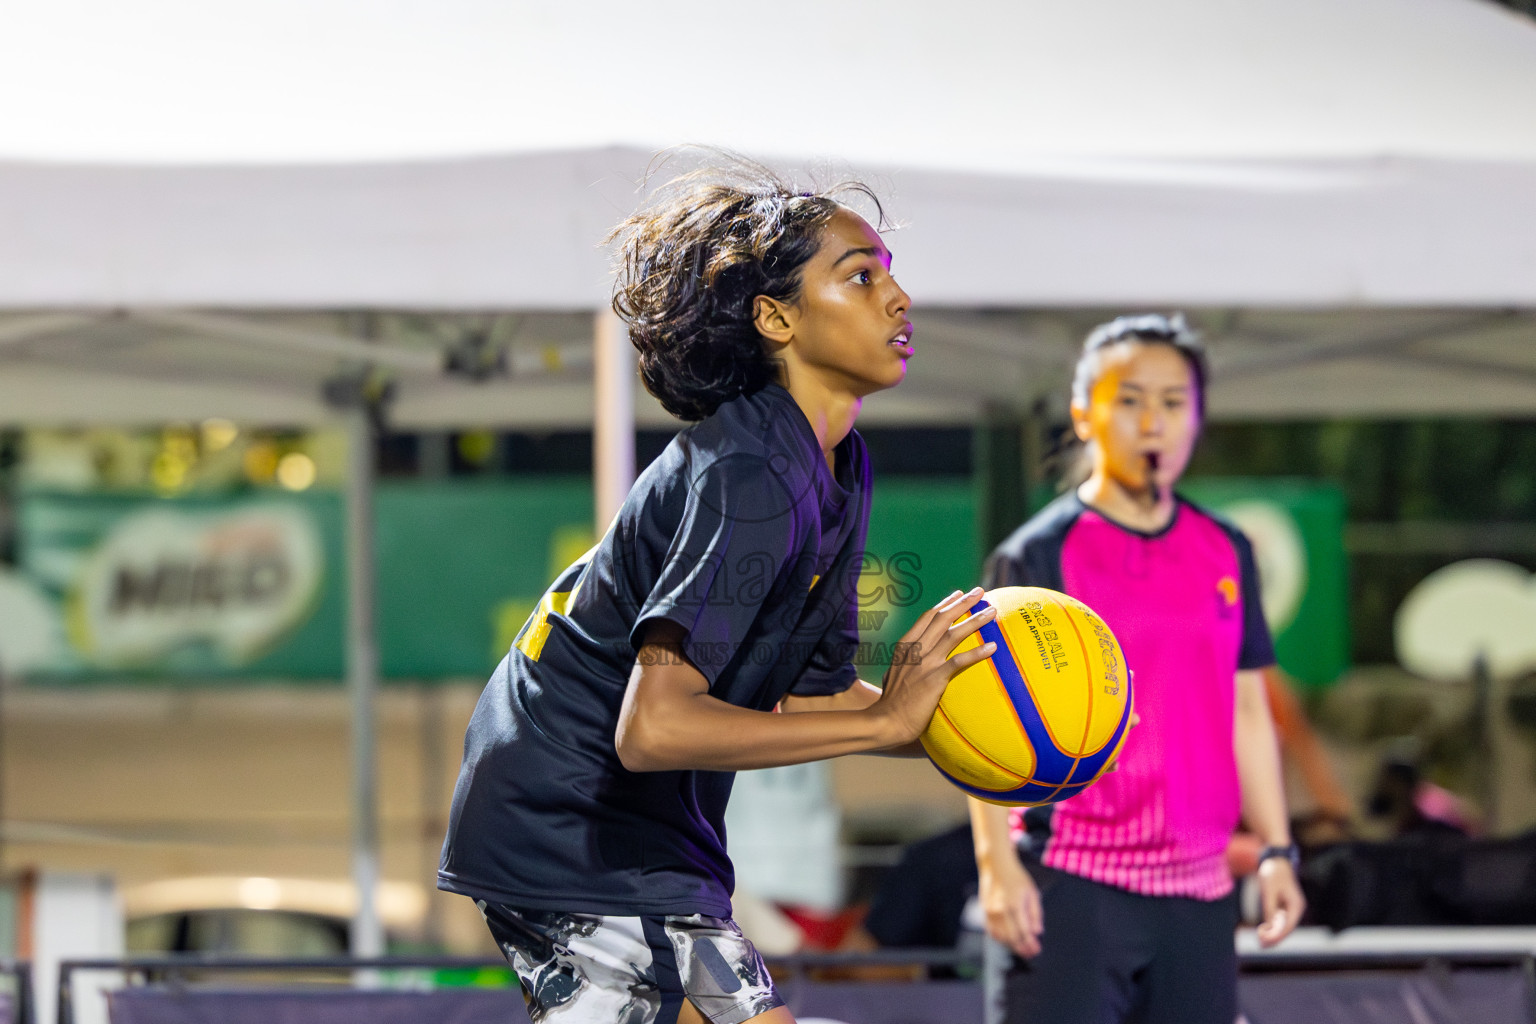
(1043, 717)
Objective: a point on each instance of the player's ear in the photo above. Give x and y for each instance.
(1080, 426)
(774, 320)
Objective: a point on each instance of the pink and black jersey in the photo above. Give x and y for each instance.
(1184, 604)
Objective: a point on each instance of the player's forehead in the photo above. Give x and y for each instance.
(847, 237)
(1143, 366)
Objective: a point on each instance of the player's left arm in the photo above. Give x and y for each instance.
(856, 698)
(1263, 794)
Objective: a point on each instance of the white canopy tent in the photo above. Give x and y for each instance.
(146, 366)
(1307, 156)
(188, 192)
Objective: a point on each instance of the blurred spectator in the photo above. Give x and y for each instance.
(927, 900)
(922, 901)
(1412, 804)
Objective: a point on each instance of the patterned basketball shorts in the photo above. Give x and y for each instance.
(595, 969)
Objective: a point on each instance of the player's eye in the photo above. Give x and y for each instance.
(861, 276)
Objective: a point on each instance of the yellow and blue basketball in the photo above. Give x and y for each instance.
(1046, 714)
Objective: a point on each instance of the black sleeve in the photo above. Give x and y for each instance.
(922, 899)
(1258, 650)
(723, 561)
(997, 571)
(1003, 570)
(1025, 560)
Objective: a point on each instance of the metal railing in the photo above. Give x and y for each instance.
(786, 968)
(1384, 960)
(178, 967)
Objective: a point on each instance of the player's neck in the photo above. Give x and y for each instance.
(1142, 508)
(830, 411)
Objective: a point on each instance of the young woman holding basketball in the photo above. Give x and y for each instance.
(1121, 908)
(588, 819)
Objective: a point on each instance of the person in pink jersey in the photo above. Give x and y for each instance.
(1118, 902)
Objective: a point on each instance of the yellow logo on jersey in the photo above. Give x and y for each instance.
(536, 631)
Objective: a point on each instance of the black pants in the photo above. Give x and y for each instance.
(1109, 957)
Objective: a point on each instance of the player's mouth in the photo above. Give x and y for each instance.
(902, 342)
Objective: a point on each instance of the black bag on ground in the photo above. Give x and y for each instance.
(1425, 879)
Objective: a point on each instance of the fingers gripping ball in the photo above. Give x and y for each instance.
(1043, 717)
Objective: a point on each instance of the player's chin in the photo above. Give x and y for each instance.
(889, 380)
(895, 370)
(881, 374)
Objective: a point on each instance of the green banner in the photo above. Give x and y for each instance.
(462, 566)
(203, 588)
(253, 587)
(187, 588)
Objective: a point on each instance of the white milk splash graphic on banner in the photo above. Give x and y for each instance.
(161, 580)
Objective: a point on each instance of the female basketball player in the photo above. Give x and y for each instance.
(588, 819)
(1124, 912)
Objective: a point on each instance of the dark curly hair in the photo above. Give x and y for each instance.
(691, 264)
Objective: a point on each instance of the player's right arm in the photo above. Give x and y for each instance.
(1008, 896)
(670, 722)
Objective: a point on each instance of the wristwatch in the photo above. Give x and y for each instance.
(1290, 853)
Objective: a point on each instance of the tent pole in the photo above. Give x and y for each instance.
(613, 433)
(367, 935)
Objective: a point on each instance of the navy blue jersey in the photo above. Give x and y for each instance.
(740, 534)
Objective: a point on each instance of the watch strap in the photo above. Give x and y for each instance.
(1290, 852)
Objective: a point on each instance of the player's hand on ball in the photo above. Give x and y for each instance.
(922, 665)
